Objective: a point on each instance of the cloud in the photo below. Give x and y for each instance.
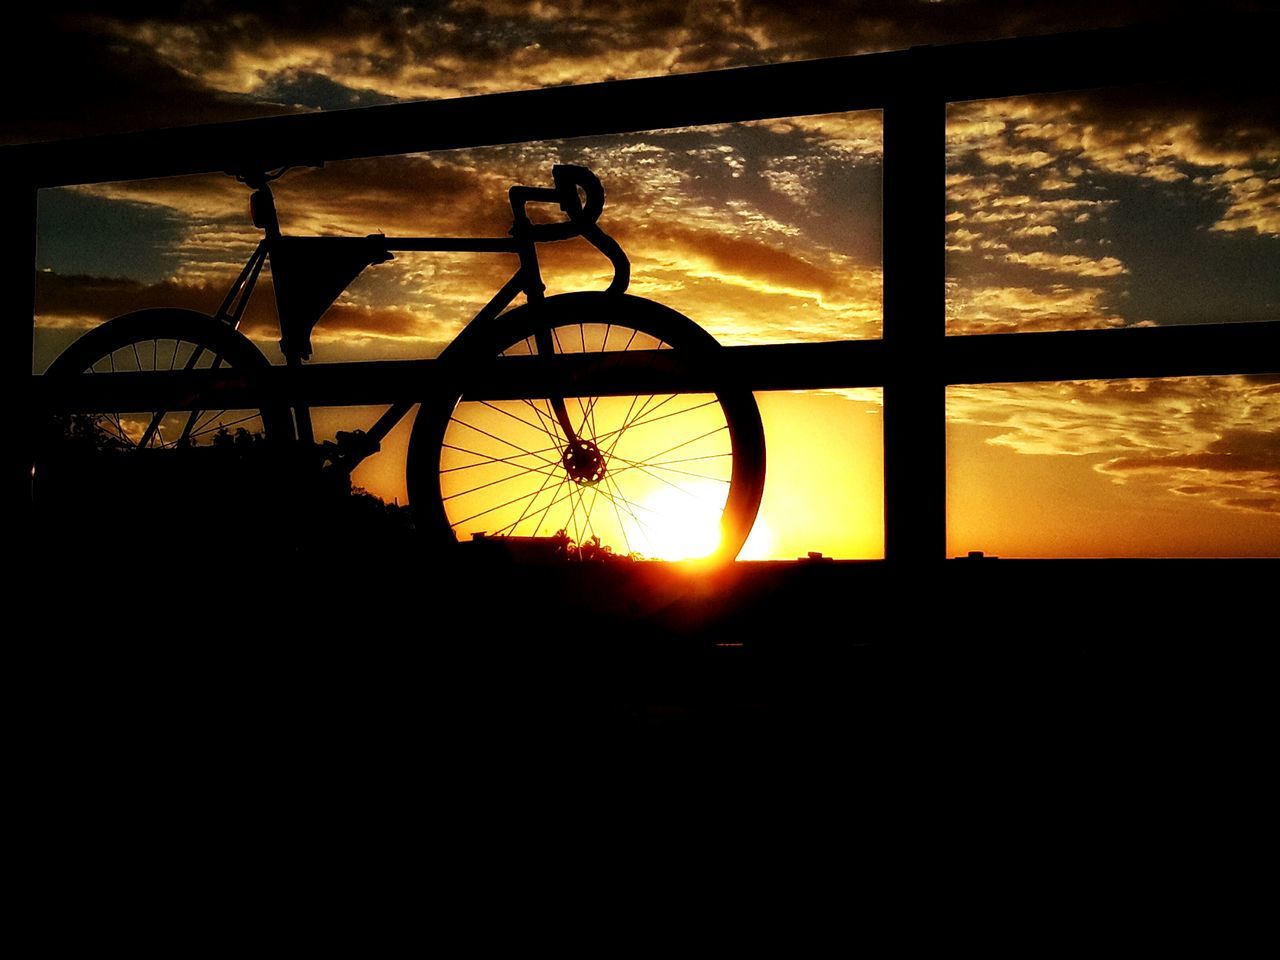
(1226, 140)
(856, 137)
(1071, 264)
(450, 49)
(1006, 309)
(740, 313)
(742, 259)
(1056, 183)
(404, 194)
(1209, 461)
(84, 301)
(1238, 461)
(1213, 438)
(1039, 184)
(327, 53)
(92, 80)
(1254, 202)
(998, 229)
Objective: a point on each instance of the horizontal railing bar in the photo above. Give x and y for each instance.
(771, 367)
(1007, 67)
(1211, 350)
(1174, 351)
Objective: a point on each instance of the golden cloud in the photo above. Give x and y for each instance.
(856, 137)
(1162, 135)
(1005, 309)
(1217, 438)
(1254, 202)
(83, 302)
(1069, 263)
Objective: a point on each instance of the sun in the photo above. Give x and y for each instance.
(682, 523)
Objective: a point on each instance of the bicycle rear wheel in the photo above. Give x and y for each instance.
(665, 476)
(167, 340)
(117, 478)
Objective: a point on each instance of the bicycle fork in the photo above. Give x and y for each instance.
(581, 459)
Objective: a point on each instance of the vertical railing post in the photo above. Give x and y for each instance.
(18, 214)
(915, 459)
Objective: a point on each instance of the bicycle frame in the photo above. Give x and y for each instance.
(310, 273)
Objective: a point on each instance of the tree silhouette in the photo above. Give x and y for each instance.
(589, 551)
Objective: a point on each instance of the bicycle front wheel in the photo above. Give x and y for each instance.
(663, 476)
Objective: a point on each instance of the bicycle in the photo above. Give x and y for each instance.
(594, 467)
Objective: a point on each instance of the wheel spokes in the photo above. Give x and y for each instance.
(164, 429)
(506, 469)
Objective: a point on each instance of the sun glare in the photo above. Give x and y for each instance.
(760, 545)
(681, 524)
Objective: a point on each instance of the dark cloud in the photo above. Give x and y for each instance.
(85, 301)
(309, 89)
(741, 256)
(93, 299)
(72, 80)
(93, 67)
(1239, 470)
(1259, 504)
(855, 26)
(1215, 462)
(392, 194)
(1143, 188)
(708, 32)
(431, 194)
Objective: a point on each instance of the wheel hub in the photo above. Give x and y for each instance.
(584, 462)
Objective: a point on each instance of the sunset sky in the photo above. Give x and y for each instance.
(1098, 209)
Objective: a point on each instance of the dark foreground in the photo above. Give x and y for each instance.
(187, 668)
(151, 657)
(241, 717)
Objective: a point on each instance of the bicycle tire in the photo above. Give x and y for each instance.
(174, 328)
(699, 462)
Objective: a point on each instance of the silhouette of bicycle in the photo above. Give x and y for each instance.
(658, 475)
